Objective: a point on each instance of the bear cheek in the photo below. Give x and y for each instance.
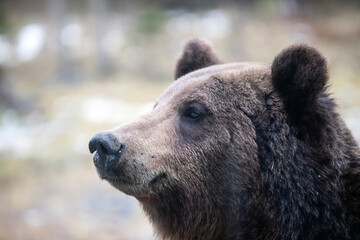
(159, 150)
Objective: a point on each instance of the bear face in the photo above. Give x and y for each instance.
(189, 120)
(239, 151)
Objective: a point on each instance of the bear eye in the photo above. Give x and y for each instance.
(192, 113)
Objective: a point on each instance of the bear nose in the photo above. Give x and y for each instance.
(108, 150)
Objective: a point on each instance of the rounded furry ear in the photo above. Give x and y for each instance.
(299, 73)
(196, 54)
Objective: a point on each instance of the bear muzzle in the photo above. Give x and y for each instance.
(130, 177)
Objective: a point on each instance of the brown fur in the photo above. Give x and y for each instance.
(197, 54)
(241, 151)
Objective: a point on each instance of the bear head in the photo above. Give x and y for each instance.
(240, 150)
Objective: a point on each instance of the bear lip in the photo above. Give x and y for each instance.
(142, 187)
(118, 180)
(141, 190)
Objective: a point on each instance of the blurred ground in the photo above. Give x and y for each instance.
(68, 71)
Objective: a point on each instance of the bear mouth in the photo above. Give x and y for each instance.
(146, 189)
(146, 184)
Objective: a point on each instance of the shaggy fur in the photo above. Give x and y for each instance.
(241, 151)
(196, 54)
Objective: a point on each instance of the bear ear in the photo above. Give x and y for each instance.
(299, 73)
(196, 54)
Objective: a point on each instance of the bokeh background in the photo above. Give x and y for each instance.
(72, 68)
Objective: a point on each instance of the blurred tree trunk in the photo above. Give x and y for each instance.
(98, 8)
(3, 19)
(8, 97)
(67, 69)
(6, 93)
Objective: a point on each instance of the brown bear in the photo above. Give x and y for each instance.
(240, 151)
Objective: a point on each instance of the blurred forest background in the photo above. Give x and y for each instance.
(72, 68)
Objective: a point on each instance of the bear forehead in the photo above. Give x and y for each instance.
(198, 78)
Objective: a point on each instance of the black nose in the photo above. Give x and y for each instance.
(108, 150)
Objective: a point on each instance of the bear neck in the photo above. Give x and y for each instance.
(178, 215)
(301, 176)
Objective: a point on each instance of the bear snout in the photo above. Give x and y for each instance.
(108, 151)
